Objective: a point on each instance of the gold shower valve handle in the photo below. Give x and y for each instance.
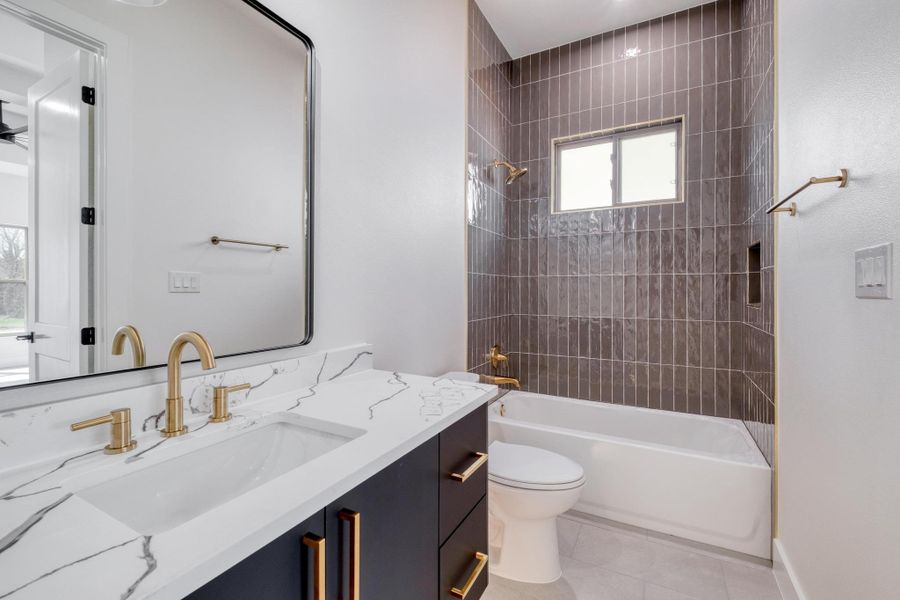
(120, 432)
(496, 357)
(220, 411)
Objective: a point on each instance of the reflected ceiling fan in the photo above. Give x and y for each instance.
(12, 135)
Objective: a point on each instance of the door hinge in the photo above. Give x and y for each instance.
(88, 215)
(88, 95)
(88, 336)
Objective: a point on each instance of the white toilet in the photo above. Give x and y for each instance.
(527, 489)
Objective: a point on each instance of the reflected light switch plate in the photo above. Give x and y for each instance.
(184, 282)
(874, 271)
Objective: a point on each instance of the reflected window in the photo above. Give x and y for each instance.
(13, 290)
(635, 165)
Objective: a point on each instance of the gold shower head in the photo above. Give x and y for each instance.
(514, 172)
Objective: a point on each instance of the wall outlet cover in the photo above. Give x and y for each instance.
(874, 269)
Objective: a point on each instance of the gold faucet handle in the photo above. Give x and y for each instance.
(220, 412)
(496, 356)
(120, 433)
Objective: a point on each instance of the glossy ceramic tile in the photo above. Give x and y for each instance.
(643, 306)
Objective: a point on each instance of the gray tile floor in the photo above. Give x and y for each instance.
(603, 561)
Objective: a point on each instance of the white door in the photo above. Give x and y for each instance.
(59, 185)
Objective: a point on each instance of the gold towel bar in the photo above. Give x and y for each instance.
(216, 240)
(843, 178)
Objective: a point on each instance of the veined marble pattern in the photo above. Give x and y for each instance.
(36, 433)
(54, 544)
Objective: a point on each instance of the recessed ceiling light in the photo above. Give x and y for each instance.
(143, 3)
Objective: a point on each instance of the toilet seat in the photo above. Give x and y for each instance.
(530, 468)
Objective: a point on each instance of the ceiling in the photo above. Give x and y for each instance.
(529, 26)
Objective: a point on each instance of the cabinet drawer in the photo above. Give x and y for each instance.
(284, 568)
(382, 538)
(464, 569)
(462, 445)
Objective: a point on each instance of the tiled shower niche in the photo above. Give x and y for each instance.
(644, 306)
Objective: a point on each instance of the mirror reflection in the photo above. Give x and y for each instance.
(154, 178)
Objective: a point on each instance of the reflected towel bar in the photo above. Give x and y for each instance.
(216, 240)
(843, 178)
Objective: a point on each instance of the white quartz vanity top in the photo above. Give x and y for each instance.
(53, 544)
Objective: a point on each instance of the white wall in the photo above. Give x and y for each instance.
(13, 198)
(839, 357)
(390, 262)
(390, 255)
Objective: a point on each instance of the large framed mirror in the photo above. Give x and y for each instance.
(156, 176)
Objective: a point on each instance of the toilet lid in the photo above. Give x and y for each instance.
(532, 468)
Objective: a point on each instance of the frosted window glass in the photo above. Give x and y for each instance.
(650, 167)
(585, 176)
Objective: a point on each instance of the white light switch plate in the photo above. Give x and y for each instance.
(184, 282)
(874, 269)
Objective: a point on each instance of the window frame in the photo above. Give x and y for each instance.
(616, 136)
(14, 332)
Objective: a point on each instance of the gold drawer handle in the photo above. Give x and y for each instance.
(479, 462)
(317, 545)
(482, 559)
(352, 517)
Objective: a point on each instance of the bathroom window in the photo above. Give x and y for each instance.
(13, 291)
(623, 167)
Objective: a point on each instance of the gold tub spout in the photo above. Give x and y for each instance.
(500, 381)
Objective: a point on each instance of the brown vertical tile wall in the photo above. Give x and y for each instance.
(643, 306)
(486, 201)
(758, 108)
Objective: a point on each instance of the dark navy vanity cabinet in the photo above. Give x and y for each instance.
(415, 530)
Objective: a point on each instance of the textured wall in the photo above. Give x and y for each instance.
(757, 106)
(646, 306)
(488, 130)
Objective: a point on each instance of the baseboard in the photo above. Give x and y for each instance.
(784, 574)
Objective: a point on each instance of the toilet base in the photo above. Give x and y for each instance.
(522, 535)
(525, 551)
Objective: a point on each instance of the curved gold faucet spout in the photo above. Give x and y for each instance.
(175, 403)
(138, 352)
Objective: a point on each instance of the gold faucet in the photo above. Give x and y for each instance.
(175, 403)
(500, 381)
(496, 357)
(138, 353)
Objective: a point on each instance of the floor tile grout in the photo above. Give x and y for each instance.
(722, 577)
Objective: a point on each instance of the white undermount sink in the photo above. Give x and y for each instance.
(166, 494)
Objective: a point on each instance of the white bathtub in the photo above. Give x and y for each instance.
(699, 478)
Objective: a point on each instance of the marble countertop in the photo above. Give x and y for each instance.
(54, 544)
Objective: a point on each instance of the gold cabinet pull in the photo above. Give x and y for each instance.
(481, 560)
(482, 458)
(317, 545)
(352, 518)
